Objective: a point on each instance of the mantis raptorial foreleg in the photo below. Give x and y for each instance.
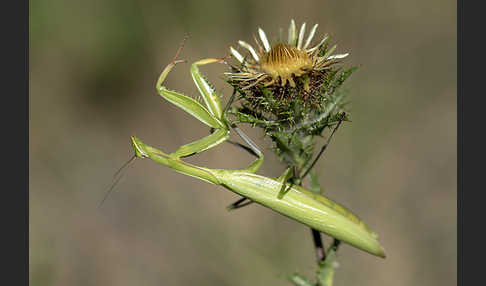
(210, 115)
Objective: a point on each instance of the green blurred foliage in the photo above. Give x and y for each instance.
(93, 66)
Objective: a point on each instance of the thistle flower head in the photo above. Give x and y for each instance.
(290, 89)
(282, 62)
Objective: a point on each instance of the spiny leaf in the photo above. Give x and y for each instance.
(343, 76)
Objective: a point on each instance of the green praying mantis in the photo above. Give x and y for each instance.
(298, 203)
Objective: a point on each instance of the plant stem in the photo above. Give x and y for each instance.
(317, 239)
(319, 245)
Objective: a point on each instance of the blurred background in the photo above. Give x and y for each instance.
(93, 66)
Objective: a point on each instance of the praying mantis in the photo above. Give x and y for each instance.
(298, 203)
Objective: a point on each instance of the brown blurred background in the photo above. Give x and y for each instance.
(93, 66)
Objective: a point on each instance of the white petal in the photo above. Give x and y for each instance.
(311, 35)
(301, 36)
(292, 33)
(318, 45)
(264, 39)
(237, 55)
(249, 48)
(341, 56)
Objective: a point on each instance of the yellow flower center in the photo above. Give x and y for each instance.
(284, 61)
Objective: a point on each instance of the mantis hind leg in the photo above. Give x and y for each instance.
(243, 202)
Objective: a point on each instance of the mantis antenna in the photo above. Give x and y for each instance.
(116, 178)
